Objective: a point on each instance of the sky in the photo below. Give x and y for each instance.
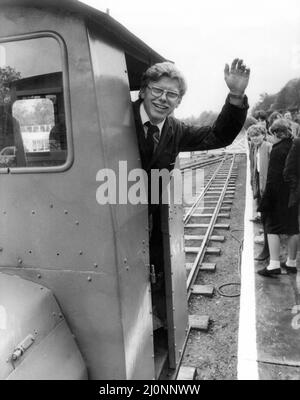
(200, 36)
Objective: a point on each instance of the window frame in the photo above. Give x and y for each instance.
(67, 105)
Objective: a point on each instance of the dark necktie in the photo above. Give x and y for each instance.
(152, 136)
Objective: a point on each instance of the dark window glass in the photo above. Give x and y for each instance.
(32, 115)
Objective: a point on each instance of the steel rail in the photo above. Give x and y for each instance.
(188, 215)
(201, 163)
(200, 255)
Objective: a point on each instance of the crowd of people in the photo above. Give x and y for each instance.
(274, 151)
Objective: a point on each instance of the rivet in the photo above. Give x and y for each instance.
(77, 222)
(143, 242)
(96, 265)
(54, 314)
(51, 205)
(60, 315)
(1, 248)
(66, 211)
(57, 254)
(39, 276)
(33, 212)
(89, 278)
(20, 261)
(125, 260)
(81, 252)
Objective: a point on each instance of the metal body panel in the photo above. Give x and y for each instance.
(108, 25)
(130, 221)
(30, 310)
(91, 308)
(175, 276)
(56, 358)
(93, 257)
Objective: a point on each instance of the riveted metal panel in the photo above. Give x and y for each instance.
(129, 220)
(175, 276)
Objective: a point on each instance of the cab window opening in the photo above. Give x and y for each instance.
(32, 115)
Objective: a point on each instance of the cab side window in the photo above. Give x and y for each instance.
(32, 115)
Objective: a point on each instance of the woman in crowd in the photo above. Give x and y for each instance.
(295, 127)
(279, 217)
(272, 117)
(260, 151)
(291, 175)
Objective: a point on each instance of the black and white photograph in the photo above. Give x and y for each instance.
(149, 193)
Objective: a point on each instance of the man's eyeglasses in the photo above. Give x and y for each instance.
(157, 92)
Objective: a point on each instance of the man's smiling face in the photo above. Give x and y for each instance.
(158, 107)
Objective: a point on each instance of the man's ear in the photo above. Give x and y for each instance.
(178, 102)
(142, 94)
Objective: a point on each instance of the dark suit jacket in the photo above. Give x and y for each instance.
(177, 136)
(291, 173)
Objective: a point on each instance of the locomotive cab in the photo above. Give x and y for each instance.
(67, 74)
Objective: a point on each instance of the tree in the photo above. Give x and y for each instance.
(266, 102)
(205, 118)
(287, 98)
(7, 75)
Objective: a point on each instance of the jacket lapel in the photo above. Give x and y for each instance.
(166, 135)
(140, 134)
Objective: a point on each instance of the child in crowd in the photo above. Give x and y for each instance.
(279, 217)
(260, 151)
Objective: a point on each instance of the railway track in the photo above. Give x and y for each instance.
(201, 164)
(200, 220)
